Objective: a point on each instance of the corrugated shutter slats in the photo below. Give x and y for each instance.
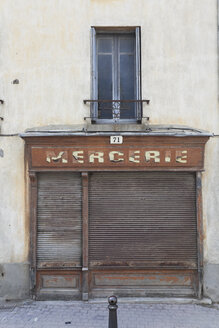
(59, 219)
(147, 217)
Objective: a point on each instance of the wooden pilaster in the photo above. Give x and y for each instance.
(85, 237)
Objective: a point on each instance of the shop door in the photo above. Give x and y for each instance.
(58, 236)
(142, 234)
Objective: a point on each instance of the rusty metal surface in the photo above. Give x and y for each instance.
(139, 219)
(59, 220)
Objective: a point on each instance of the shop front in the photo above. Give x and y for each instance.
(115, 213)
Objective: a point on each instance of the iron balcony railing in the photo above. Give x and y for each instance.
(116, 106)
(118, 101)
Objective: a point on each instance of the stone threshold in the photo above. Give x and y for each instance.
(121, 300)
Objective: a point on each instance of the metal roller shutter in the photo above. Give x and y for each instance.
(59, 220)
(143, 219)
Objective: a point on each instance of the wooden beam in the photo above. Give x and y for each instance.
(85, 287)
(199, 232)
(33, 229)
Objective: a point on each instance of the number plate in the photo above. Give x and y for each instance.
(116, 139)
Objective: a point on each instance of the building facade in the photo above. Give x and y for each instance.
(109, 149)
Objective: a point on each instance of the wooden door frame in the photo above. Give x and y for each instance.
(32, 195)
(33, 190)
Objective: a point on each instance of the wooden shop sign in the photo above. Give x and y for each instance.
(119, 156)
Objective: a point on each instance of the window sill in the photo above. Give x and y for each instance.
(121, 127)
(113, 122)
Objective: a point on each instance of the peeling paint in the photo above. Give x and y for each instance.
(154, 154)
(134, 156)
(170, 279)
(78, 156)
(116, 156)
(124, 277)
(181, 156)
(62, 156)
(96, 157)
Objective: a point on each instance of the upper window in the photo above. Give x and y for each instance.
(116, 75)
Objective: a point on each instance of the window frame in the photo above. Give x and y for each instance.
(94, 73)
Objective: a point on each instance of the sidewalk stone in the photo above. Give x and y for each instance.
(95, 315)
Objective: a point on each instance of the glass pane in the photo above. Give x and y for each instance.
(127, 45)
(127, 85)
(105, 45)
(105, 85)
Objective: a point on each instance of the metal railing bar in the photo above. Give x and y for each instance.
(118, 101)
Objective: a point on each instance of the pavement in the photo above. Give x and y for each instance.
(68, 314)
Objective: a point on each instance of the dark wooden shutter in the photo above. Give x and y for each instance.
(143, 219)
(59, 220)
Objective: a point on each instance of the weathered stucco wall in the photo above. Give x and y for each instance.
(45, 45)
